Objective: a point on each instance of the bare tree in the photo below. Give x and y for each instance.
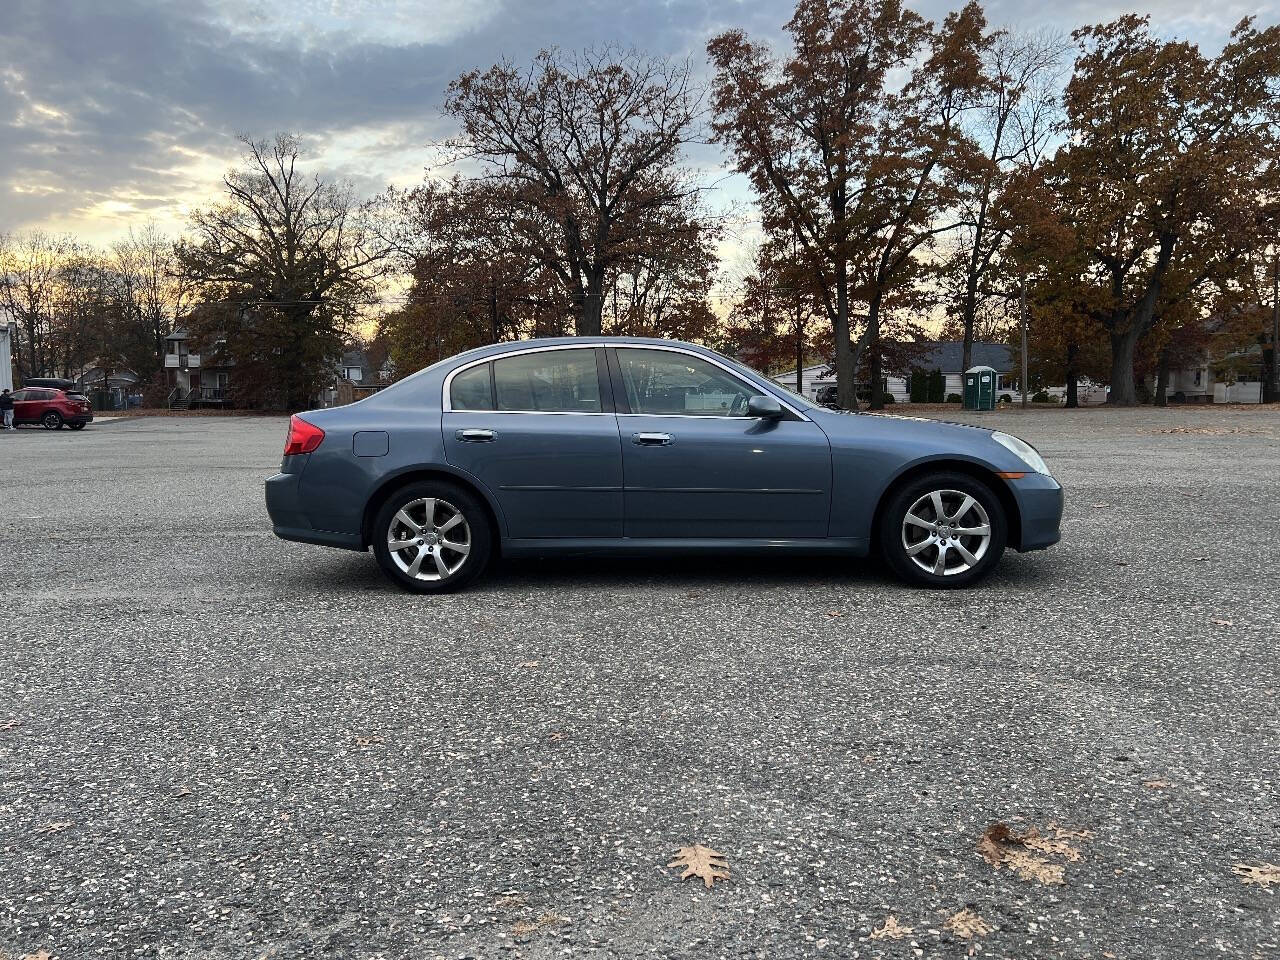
(287, 261)
(30, 267)
(589, 143)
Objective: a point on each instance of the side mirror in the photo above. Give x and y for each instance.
(765, 407)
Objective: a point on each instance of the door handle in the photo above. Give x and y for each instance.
(474, 435)
(651, 439)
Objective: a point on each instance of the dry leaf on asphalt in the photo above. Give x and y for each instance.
(1158, 784)
(1221, 623)
(527, 664)
(182, 791)
(367, 741)
(10, 724)
(891, 930)
(702, 862)
(967, 924)
(56, 827)
(1002, 847)
(1263, 874)
(544, 921)
(38, 955)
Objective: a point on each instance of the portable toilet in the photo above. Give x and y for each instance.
(980, 388)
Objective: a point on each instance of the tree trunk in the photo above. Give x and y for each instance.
(1073, 375)
(969, 310)
(1124, 392)
(1162, 379)
(844, 349)
(799, 365)
(875, 361)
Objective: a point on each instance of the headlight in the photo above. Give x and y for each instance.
(1022, 450)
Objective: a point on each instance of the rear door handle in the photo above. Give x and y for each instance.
(651, 439)
(473, 435)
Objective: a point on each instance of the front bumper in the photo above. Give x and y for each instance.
(1040, 501)
(289, 522)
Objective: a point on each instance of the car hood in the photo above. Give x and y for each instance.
(837, 424)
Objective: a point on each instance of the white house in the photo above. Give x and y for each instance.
(6, 356)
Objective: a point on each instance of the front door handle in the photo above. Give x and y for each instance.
(473, 435)
(651, 439)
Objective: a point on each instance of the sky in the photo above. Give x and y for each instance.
(114, 112)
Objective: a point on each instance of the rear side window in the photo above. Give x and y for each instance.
(471, 389)
(549, 381)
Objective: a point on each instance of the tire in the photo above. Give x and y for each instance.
(431, 561)
(76, 426)
(912, 548)
(52, 420)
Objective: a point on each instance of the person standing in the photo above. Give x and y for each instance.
(6, 408)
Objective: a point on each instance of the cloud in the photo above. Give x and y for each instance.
(129, 108)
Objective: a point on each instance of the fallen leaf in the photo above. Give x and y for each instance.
(835, 613)
(544, 921)
(1109, 955)
(56, 827)
(967, 924)
(10, 724)
(1221, 623)
(1263, 874)
(1002, 847)
(1098, 506)
(510, 901)
(1200, 559)
(1157, 784)
(38, 955)
(701, 862)
(891, 930)
(367, 741)
(182, 791)
(1122, 563)
(557, 736)
(527, 664)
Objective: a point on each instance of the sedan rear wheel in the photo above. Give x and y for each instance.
(432, 537)
(944, 530)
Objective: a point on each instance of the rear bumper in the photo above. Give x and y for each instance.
(1040, 502)
(289, 522)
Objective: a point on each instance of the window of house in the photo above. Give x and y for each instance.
(472, 389)
(353, 373)
(661, 382)
(549, 381)
(1197, 378)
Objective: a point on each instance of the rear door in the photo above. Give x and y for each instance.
(697, 466)
(537, 427)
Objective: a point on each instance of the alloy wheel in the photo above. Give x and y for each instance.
(946, 532)
(429, 539)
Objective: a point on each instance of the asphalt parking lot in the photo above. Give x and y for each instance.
(216, 744)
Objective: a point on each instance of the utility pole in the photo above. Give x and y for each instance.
(1024, 343)
(1275, 326)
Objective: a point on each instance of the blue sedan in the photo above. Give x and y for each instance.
(619, 445)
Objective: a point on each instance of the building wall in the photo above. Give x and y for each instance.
(6, 360)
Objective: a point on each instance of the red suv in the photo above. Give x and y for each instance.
(50, 408)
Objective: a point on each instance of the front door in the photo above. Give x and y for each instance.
(539, 431)
(696, 465)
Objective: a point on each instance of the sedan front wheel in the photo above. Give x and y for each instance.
(943, 530)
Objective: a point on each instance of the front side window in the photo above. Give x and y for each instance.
(660, 382)
(548, 381)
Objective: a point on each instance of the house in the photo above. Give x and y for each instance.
(1234, 378)
(943, 355)
(109, 387)
(8, 333)
(194, 382)
(355, 377)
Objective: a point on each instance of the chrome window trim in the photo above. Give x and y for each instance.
(446, 404)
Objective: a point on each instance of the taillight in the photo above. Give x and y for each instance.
(303, 437)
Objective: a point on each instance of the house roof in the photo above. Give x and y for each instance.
(946, 355)
(354, 358)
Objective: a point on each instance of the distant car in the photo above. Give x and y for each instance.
(51, 408)
(613, 445)
(828, 397)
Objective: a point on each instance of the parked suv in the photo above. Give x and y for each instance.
(51, 408)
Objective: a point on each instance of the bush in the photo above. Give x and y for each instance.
(1042, 397)
(954, 398)
(889, 398)
(1005, 398)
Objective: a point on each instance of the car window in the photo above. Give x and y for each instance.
(471, 389)
(19, 395)
(661, 382)
(548, 381)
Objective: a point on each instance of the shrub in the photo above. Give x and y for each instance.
(1042, 397)
(954, 398)
(1005, 398)
(889, 398)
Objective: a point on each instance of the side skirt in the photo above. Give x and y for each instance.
(633, 546)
